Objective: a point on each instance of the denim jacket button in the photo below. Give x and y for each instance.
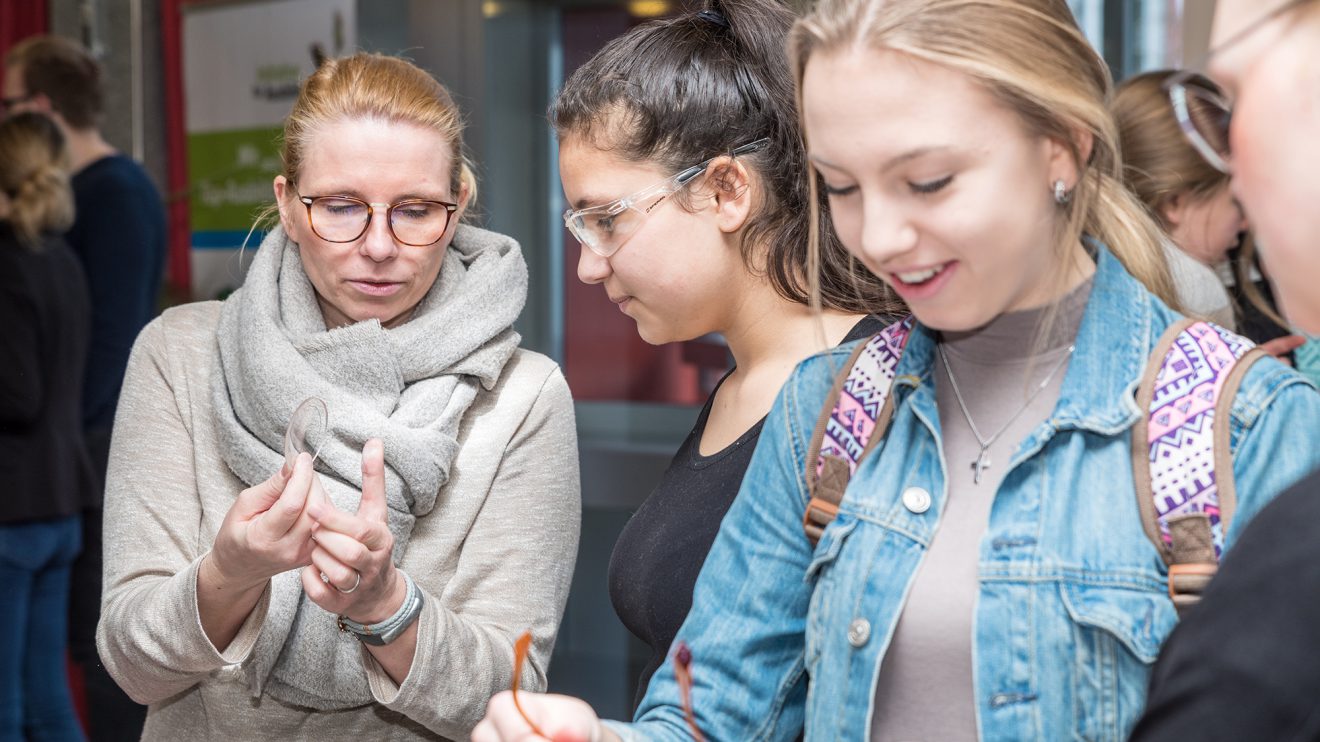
(916, 500)
(859, 631)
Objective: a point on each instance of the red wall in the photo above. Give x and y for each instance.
(180, 237)
(18, 20)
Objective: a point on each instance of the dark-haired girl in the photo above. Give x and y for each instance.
(681, 157)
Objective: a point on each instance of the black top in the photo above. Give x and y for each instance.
(1253, 323)
(44, 326)
(658, 555)
(119, 235)
(1245, 663)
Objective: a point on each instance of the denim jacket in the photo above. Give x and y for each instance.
(1073, 602)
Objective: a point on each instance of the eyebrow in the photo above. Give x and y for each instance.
(889, 164)
(592, 201)
(355, 193)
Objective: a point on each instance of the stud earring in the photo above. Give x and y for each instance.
(1061, 194)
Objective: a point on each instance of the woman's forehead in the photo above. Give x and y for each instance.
(378, 152)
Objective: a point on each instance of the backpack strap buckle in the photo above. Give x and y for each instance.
(1188, 581)
(825, 497)
(819, 514)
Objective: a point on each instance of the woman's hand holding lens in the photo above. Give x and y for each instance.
(560, 719)
(267, 530)
(351, 572)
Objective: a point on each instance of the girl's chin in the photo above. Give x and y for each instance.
(659, 333)
(947, 324)
(1302, 312)
(957, 318)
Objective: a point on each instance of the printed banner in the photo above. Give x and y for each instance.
(243, 63)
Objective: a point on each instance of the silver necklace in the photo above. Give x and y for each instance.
(982, 460)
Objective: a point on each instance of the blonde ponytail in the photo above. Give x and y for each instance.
(33, 177)
(43, 203)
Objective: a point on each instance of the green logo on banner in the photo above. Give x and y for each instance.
(230, 175)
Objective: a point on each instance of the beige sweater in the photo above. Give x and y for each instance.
(494, 558)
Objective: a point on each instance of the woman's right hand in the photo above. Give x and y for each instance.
(561, 718)
(267, 530)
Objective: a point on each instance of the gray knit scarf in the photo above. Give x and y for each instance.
(408, 386)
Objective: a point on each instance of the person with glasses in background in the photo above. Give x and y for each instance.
(371, 586)
(1245, 664)
(988, 573)
(47, 474)
(693, 219)
(1192, 201)
(1188, 198)
(119, 236)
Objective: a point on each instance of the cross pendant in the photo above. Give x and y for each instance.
(981, 464)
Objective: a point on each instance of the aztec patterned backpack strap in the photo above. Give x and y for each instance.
(1181, 462)
(854, 418)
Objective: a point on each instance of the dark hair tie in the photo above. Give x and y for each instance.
(714, 16)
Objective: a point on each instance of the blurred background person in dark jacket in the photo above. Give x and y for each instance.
(119, 237)
(43, 459)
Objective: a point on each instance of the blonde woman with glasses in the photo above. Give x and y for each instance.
(1243, 665)
(988, 574)
(364, 574)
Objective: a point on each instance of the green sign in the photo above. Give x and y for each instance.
(230, 175)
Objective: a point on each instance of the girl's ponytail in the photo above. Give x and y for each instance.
(33, 176)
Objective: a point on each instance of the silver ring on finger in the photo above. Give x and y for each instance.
(356, 582)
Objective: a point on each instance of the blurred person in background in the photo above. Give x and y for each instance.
(1243, 664)
(1188, 198)
(1192, 201)
(48, 478)
(119, 237)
